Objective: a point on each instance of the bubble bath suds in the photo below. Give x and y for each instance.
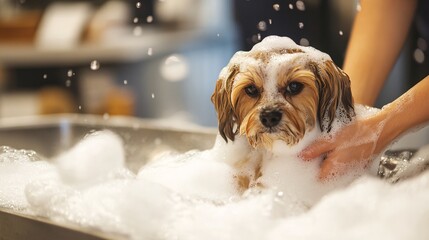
(194, 196)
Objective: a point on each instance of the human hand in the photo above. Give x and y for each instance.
(350, 148)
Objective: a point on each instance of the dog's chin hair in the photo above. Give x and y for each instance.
(260, 137)
(265, 139)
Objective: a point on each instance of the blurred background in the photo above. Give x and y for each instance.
(159, 58)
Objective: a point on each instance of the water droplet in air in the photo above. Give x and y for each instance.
(175, 68)
(70, 73)
(419, 55)
(262, 25)
(276, 7)
(149, 19)
(301, 25)
(300, 5)
(290, 6)
(45, 76)
(125, 82)
(95, 65)
(68, 83)
(280, 194)
(270, 21)
(341, 33)
(153, 95)
(218, 34)
(304, 42)
(135, 20)
(138, 5)
(80, 107)
(256, 38)
(150, 52)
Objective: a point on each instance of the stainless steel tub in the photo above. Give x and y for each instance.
(50, 135)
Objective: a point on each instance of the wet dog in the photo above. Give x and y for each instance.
(279, 91)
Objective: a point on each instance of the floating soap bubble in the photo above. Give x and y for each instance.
(301, 25)
(304, 42)
(262, 25)
(276, 7)
(94, 65)
(149, 19)
(175, 68)
(300, 5)
(256, 38)
(419, 55)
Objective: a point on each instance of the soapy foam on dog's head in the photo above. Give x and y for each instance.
(270, 43)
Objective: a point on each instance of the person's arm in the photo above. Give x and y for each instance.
(358, 143)
(378, 34)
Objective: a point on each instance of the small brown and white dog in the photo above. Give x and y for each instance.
(279, 91)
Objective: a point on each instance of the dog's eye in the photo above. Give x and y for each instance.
(294, 88)
(252, 91)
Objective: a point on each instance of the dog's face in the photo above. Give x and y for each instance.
(280, 93)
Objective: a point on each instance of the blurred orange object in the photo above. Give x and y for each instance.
(120, 101)
(56, 100)
(20, 28)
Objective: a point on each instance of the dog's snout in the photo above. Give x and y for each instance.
(270, 118)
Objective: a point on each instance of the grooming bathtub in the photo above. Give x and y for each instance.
(50, 135)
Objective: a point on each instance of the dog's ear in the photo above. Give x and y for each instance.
(221, 99)
(335, 95)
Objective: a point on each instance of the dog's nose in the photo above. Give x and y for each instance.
(270, 118)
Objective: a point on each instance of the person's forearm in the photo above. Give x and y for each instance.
(378, 34)
(409, 111)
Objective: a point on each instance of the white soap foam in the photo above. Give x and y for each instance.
(92, 160)
(194, 173)
(19, 168)
(271, 43)
(369, 209)
(192, 196)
